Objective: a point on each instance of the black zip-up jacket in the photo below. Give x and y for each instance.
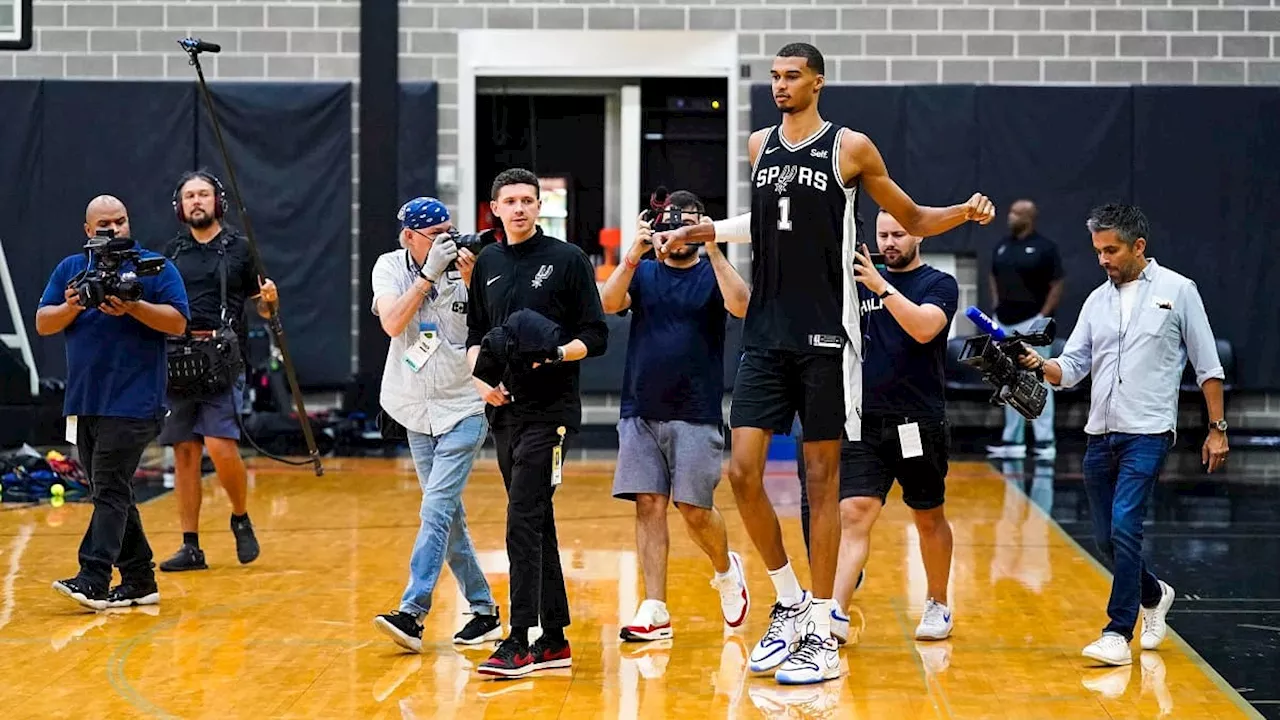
(557, 280)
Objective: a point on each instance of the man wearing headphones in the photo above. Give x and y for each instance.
(220, 276)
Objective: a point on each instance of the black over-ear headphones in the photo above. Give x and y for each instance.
(219, 207)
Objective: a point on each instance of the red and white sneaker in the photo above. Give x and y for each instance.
(549, 654)
(735, 601)
(513, 658)
(652, 622)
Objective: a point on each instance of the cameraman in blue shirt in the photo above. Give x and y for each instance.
(670, 437)
(115, 403)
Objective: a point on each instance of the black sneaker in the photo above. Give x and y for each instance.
(511, 659)
(133, 593)
(481, 628)
(82, 592)
(548, 653)
(246, 543)
(188, 557)
(401, 627)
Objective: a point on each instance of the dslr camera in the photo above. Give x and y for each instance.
(996, 356)
(475, 242)
(104, 276)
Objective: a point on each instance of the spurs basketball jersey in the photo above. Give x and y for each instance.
(804, 230)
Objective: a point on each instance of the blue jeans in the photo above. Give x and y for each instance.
(444, 463)
(1120, 471)
(1015, 426)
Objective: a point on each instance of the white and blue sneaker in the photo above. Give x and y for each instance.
(776, 643)
(815, 659)
(936, 623)
(839, 627)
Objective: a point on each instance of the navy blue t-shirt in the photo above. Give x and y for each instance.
(675, 354)
(116, 365)
(899, 375)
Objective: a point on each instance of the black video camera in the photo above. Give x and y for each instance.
(660, 217)
(997, 359)
(104, 276)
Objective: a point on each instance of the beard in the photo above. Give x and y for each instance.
(202, 222)
(905, 258)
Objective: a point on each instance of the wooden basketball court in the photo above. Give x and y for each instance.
(292, 634)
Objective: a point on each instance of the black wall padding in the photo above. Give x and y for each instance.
(419, 145)
(291, 148)
(64, 142)
(20, 134)
(127, 139)
(1069, 149)
(1206, 171)
(1202, 162)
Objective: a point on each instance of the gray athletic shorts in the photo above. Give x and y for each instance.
(668, 457)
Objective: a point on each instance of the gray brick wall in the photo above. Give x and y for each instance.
(866, 41)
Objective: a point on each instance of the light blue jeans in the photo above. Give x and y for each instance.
(1015, 425)
(444, 464)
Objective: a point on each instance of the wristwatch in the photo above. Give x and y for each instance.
(888, 290)
(1219, 425)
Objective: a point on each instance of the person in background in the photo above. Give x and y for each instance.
(1026, 285)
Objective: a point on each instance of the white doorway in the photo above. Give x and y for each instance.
(609, 63)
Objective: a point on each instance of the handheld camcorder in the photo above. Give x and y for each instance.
(995, 354)
(104, 276)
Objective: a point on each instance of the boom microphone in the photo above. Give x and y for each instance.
(196, 45)
(984, 323)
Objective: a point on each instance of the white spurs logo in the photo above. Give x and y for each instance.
(544, 272)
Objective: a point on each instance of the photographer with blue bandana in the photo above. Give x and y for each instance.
(420, 296)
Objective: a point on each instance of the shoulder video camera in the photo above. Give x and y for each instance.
(995, 354)
(104, 275)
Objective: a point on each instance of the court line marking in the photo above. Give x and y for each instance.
(1224, 686)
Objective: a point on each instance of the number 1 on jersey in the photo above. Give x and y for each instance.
(784, 213)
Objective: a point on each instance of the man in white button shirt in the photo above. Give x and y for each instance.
(420, 295)
(1134, 335)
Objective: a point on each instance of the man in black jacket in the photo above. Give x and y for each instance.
(533, 408)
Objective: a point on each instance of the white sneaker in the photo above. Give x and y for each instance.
(735, 601)
(816, 659)
(1110, 649)
(936, 623)
(839, 627)
(1154, 628)
(652, 622)
(776, 643)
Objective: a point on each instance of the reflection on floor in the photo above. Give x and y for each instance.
(1215, 539)
(292, 635)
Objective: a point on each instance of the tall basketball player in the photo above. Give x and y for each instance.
(801, 340)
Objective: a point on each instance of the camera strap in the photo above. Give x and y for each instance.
(222, 280)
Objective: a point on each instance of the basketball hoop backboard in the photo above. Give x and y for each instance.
(15, 25)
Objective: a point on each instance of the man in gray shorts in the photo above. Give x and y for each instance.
(670, 438)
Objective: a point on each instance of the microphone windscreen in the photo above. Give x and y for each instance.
(984, 323)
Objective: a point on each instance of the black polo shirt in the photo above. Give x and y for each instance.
(198, 264)
(1024, 270)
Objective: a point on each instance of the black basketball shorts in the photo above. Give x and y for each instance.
(772, 387)
(869, 466)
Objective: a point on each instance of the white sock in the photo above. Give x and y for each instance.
(721, 576)
(786, 585)
(820, 614)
